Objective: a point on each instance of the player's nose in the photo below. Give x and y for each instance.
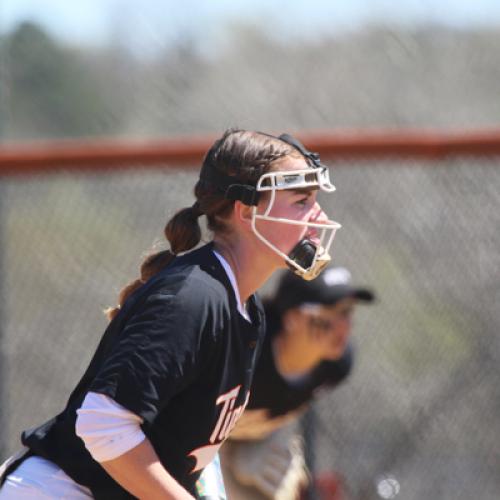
(317, 214)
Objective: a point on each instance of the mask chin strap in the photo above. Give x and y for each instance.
(304, 254)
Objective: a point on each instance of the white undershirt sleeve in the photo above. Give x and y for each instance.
(107, 428)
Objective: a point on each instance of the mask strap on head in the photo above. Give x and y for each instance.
(226, 185)
(312, 158)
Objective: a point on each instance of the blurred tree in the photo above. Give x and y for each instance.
(52, 89)
(380, 76)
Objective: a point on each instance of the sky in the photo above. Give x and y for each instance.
(147, 24)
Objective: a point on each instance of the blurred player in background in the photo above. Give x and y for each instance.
(307, 348)
(172, 373)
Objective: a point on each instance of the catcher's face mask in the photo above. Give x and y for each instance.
(308, 257)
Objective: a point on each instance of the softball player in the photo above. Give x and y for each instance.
(172, 373)
(307, 350)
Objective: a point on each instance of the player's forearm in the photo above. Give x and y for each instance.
(140, 472)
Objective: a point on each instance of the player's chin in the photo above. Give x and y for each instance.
(335, 352)
(332, 357)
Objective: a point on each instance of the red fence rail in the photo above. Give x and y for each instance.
(29, 158)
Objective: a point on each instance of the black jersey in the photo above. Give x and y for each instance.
(180, 356)
(279, 397)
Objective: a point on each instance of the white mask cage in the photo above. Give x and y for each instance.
(298, 179)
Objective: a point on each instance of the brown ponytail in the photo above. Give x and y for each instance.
(183, 233)
(239, 153)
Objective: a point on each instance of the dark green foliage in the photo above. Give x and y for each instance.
(52, 90)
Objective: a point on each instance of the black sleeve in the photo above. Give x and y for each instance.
(158, 353)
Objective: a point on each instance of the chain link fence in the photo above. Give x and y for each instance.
(421, 411)
(422, 404)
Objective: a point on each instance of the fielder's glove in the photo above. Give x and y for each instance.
(274, 465)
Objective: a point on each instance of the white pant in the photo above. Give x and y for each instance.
(38, 478)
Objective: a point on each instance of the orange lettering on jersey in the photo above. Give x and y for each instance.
(225, 423)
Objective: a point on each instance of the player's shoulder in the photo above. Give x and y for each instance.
(193, 279)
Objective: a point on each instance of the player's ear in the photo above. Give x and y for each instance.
(243, 214)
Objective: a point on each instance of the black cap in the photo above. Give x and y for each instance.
(332, 285)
